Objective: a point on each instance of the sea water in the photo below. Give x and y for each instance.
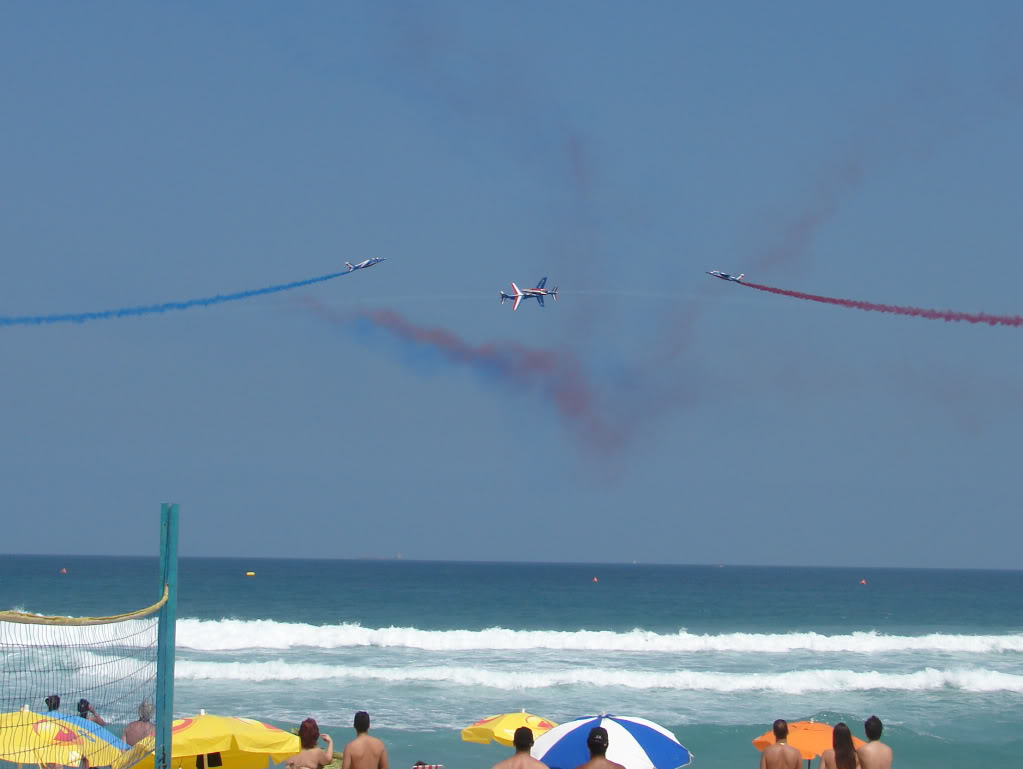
(713, 653)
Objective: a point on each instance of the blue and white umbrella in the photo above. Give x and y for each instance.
(635, 743)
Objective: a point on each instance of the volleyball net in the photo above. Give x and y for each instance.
(88, 692)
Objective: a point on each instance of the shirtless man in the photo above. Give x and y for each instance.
(875, 754)
(364, 752)
(312, 756)
(597, 744)
(144, 727)
(523, 741)
(781, 755)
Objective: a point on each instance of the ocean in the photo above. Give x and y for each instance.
(714, 653)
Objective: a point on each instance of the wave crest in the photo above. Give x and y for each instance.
(790, 682)
(234, 635)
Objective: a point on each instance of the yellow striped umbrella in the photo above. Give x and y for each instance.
(241, 743)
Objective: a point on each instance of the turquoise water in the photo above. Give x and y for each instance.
(714, 654)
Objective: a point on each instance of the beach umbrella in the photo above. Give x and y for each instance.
(633, 742)
(810, 738)
(27, 737)
(501, 728)
(93, 728)
(207, 741)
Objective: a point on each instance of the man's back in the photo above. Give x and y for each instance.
(521, 760)
(875, 755)
(780, 756)
(365, 752)
(600, 762)
(137, 731)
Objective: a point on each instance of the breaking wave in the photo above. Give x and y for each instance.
(234, 635)
(790, 682)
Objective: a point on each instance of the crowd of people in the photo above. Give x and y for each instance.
(366, 752)
(843, 754)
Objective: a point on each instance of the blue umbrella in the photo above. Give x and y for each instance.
(635, 743)
(85, 725)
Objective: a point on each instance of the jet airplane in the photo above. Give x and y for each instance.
(365, 263)
(725, 275)
(538, 293)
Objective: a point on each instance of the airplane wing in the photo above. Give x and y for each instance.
(542, 283)
(515, 304)
(539, 299)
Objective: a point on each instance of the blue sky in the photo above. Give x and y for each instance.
(155, 153)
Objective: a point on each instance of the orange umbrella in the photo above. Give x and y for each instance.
(810, 738)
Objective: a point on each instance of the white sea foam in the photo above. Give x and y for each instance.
(228, 635)
(790, 682)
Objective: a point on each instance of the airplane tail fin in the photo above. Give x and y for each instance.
(350, 266)
(739, 277)
(503, 296)
(554, 293)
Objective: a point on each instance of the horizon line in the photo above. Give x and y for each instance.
(401, 559)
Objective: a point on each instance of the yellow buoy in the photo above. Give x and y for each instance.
(250, 574)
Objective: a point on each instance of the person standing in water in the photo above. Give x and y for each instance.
(364, 752)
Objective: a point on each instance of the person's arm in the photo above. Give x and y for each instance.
(330, 747)
(96, 717)
(763, 760)
(346, 759)
(382, 764)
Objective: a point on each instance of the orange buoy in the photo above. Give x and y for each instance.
(863, 582)
(596, 580)
(63, 570)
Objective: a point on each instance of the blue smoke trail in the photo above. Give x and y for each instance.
(123, 312)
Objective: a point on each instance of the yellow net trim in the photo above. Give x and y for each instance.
(35, 619)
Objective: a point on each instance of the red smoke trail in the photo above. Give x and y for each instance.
(916, 312)
(558, 377)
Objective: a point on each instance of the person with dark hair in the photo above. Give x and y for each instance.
(523, 741)
(144, 727)
(780, 755)
(311, 756)
(843, 754)
(364, 752)
(596, 743)
(875, 754)
(52, 702)
(88, 712)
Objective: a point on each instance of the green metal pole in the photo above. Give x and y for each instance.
(165, 653)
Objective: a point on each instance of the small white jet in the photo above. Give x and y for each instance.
(365, 263)
(538, 293)
(725, 275)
